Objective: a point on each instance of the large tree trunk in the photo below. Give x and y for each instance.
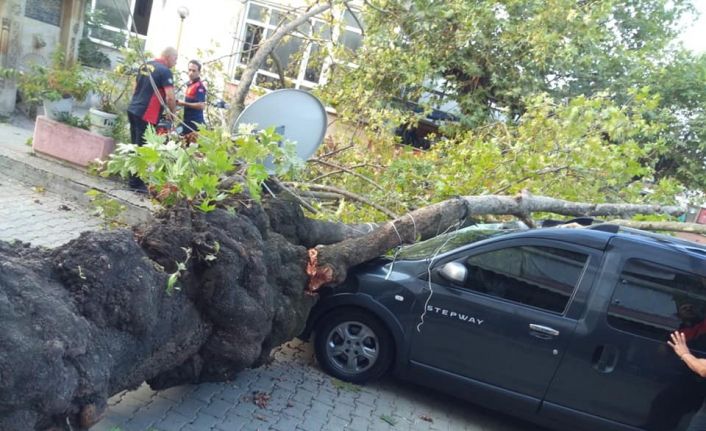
(93, 317)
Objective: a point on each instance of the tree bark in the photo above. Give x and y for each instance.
(94, 317)
(666, 226)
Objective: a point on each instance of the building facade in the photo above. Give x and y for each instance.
(30, 32)
(228, 31)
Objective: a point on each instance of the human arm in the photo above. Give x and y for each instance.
(196, 93)
(170, 99)
(193, 105)
(678, 343)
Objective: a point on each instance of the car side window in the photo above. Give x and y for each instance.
(539, 276)
(653, 300)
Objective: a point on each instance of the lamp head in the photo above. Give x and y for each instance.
(183, 12)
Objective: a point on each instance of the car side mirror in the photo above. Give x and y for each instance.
(454, 272)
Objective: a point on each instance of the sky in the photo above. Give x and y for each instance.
(694, 37)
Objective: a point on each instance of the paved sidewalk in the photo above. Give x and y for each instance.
(293, 394)
(31, 214)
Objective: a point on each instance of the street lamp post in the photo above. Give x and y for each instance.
(183, 12)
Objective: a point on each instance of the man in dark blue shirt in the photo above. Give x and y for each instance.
(194, 100)
(154, 86)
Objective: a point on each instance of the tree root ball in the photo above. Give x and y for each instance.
(93, 317)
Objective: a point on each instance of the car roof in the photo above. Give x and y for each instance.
(588, 237)
(661, 240)
(598, 236)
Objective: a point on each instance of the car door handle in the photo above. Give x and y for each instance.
(544, 330)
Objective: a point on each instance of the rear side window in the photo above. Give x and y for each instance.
(653, 300)
(542, 277)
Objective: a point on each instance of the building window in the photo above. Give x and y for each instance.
(120, 20)
(297, 62)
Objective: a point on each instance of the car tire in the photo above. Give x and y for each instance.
(353, 346)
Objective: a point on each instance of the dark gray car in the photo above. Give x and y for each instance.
(563, 327)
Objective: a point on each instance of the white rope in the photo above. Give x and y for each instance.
(398, 234)
(392, 265)
(431, 262)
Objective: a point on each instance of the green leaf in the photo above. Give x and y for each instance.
(171, 283)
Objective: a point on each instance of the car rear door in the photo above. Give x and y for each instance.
(506, 327)
(619, 372)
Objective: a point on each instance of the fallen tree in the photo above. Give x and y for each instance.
(189, 297)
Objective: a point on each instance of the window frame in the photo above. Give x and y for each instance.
(300, 81)
(462, 256)
(127, 32)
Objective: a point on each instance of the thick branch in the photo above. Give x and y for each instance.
(666, 226)
(333, 261)
(526, 204)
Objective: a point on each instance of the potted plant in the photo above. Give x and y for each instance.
(111, 89)
(57, 86)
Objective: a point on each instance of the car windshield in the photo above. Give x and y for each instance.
(449, 241)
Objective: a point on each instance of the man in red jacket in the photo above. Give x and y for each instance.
(153, 90)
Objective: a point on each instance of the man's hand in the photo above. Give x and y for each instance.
(678, 343)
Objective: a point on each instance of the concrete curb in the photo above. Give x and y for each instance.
(18, 161)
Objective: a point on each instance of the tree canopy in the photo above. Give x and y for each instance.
(602, 82)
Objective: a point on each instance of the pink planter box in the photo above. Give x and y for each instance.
(72, 144)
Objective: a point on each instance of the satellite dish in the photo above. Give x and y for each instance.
(295, 114)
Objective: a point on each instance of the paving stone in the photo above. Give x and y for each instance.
(286, 422)
(217, 408)
(231, 423)
(157, 408)
(367, 398)
(295, 408)
(318, 409)
(243, 409)
(206, 391)
(342, 411)
(205, 421)
(359, 423)
(304, 396)
(336, 423)
(362, 409)
(233, 393)
(256, 425)
(172, 422)
(189, 407)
